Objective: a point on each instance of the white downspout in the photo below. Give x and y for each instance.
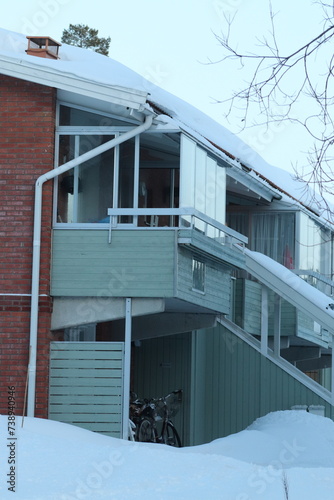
(37, 246)
(127, 368)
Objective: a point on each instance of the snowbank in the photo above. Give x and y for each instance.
(56, 461)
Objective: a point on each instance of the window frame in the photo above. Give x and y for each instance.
(198, 268)
(116, 131)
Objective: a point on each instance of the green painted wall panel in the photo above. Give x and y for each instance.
(85, 391)
(74, 390)
(88, 418)
(87, 349)
(240, 386)
(89, 381)
(239, 302)
(217, 282)
(162, 365)
(59, 356)
(96, 364)
(86, 372)
(252, 308)
(136, 263)
(89, 408)
(83, 398)
(288, 316)
(202, 243)
(248, 309)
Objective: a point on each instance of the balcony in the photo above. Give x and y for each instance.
(140, 258)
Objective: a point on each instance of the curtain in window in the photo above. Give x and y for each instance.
(274, 235)
(238, 222)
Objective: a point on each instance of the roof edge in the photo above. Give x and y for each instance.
(45, 75)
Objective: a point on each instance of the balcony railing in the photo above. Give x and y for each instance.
(319, 281)
(179, 218)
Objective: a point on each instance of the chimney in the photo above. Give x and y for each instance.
(43, 46)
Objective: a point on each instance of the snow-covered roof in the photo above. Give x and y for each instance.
(82, 70)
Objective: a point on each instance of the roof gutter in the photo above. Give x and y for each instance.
(37, 246)
(40, 71)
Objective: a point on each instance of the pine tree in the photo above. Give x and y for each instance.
(85, 37)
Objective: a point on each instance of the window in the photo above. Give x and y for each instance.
(202, 184)
(332, 258)
(273, 234)
(82, 333)
(86, 192)
(79, 117)
(198, 270)
(159, 164)
(142, 172)
(270, 233)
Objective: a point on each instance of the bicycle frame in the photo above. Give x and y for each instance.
(148, 414)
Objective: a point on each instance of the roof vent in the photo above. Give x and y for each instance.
(43, 46)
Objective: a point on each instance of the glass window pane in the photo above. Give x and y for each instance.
(200, 183)
(332, 260)
(86, 192)
(187, 180)
(95, 189)
(274, 235)
(238, 222)
(158, 177)
(77, 117)
(66, 180)
(198, 275)
(126, 178)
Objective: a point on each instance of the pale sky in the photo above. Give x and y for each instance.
(170, 42)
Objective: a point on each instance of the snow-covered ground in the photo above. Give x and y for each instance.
(55, 461)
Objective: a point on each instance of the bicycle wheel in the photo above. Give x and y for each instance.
(146, 432)
(170, 436)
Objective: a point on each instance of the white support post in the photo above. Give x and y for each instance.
(332, 384)
(277, 325)
(127, 369)
(264, 321)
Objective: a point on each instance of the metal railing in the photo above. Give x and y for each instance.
(317, 280)
(179, 218)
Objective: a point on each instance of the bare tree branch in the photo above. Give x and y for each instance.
(279, 82)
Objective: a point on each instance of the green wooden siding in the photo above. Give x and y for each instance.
(248, 313)
(160, 366)
(136, 263)
(252, 307)
(308, 331)
(198, 241)
(217, 294)
(238, 385)
(248, 309)
(86, 384)
(239, 299)
(248, 305)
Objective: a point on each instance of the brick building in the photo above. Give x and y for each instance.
(27, 124)
(144, 247)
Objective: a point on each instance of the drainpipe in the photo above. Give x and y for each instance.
(37, 246)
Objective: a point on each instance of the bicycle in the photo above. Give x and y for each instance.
(152, 419)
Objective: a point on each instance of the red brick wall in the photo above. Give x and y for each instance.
(27, 121)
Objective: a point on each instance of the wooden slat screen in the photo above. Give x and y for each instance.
(86, 383)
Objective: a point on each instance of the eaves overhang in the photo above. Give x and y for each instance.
(252, 184)
(52, 77)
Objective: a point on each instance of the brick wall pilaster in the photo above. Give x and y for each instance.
(27, 124)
